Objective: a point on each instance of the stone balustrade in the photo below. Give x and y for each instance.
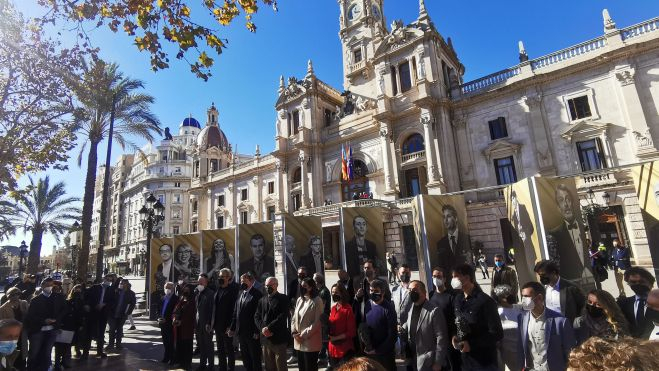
(596, 180)
(489, 80)
(568, 53)
(411, 157)
(639, 29)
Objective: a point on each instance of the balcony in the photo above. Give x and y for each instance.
(596, 180)
(334, 208)
(413, 157)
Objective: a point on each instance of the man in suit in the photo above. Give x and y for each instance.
(522, 239)
(203, 326)
(225, 302)
(168, 303)
(633, 307)
(454, 248)
(289, 256)
(425, 331)
(620, 261)
(272, 320)
(443, 297)
(261, 264)
(566, 243)
(166, 267)
(43, 320)
(313, 259)
(124, 303)
(346, 281)
(243, 325)
(546, 336)
(99, 299)
(359, 249)
(562, 296)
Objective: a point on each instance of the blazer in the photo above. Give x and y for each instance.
(354, 266)
(205, 307)
(126, 307)
(564, 252)
(559, 337)
(243, 323)
(638, 330)
(621, 258)
(168, 310)
(572, 299)
(447, 260)
(342, 321)
(93, 298)
(306, 322)
(309, 262)
(508, 276)
(272, 312)
(42, 308)
(431, 336)
(225, 302)
(267, 269)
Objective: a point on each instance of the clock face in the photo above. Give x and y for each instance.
(354, 12)
(376, 12)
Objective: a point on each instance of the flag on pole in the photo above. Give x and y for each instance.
(351, 173)
(344, 164)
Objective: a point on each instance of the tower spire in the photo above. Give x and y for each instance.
(310, 72)
(523, 56)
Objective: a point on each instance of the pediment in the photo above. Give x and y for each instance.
(584, 128)
(294, 90)
(501, 147)
(398, 39)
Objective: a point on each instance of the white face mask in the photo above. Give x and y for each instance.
(527, 303)
(456, 284)
(200, 288)
(180, 282)
(47, 290)
(438, 282)
(168, 292)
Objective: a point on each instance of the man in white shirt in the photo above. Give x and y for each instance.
(562, 296)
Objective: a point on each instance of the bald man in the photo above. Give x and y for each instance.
(272, 321)
(652, 313)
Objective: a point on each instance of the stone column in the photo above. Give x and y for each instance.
(633, 109)
(231, 203)
(279, 206)
(303, 179)
(544, 156)
(209, 209)
(386, 157)
(428, 136)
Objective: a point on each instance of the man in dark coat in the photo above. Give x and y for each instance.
(562, 296)
(261, 264)
(99, 300)
(204, 302)
(454, 248)
(124, 303)
(243, 325)
(43, 320)
(225, 302)
(165, 311)
(634, 307)
(272, 318)
(313, 259)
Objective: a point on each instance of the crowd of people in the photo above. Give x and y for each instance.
(61, 315)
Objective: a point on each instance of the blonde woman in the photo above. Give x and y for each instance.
(602, 318)
(306, 327)
(607, 354)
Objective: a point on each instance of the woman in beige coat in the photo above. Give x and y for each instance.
(306, 327)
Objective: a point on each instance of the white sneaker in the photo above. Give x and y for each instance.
(292, 360)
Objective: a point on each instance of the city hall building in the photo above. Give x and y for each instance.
(415, 127)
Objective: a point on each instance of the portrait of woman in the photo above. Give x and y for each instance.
(219, 258)
(186, 263)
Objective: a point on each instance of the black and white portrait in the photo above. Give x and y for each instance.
(259, 262)
(455, 247)
(219, 258)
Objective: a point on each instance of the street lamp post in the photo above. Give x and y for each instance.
(151, 215)
(74, 248)
(22, 253)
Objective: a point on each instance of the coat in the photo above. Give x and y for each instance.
(244, 311)
(184, 311)
(572, 299)
(272, 312)
(447, 260)
(6, 312)
(431, 338)
(225, 302)
(306, 322)
(638, 330)
(559, 337)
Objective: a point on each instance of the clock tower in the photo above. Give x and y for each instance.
(362, 29)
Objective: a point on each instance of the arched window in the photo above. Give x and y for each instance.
(358, 186)
(297, 175)
(414, 143)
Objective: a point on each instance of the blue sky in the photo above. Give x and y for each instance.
(246, 75)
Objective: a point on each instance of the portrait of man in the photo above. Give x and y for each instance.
(522, 243)
(289, 256)
(219, 258)
(313, 259)
(260, 263)
(186, 264)
(165, 271)
(455, 247)
(566, 242)
(359, 249)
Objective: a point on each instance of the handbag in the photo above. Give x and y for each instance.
(64, 336)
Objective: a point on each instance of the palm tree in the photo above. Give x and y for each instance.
(7, 212)
(110, 109)
(42, 210)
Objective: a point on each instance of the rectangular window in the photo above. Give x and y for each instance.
(175, 229)
(579, 107)
(357, 55)
(177, 184)
(219, 222)
(591, 156)
(394, 83)
(177, 198)
(161, 198)
(271, 213)
(405, 77)
(296, 121)
(220, 200)
(505, 169)
(194, 206)
(498, 128)
(271, 187)
(243, 217)
(327, 115)
(243, 194)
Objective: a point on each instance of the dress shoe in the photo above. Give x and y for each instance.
(102, 355)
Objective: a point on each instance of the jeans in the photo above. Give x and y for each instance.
(116, 330)
(41, 347)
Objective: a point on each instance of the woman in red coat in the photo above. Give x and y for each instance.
(342, 327)
(183, 319)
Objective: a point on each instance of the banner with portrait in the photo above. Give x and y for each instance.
(255, 250)
(362, 238)
(440, 224)
(303, 245)
(162, 263)
(218, 251)
(187, 257)
(523, 226)
(646, 183)
(565, 235)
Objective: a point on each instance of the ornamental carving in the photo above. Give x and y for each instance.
(533, 101)
(643, 140)
(425, 118)
(625, 77)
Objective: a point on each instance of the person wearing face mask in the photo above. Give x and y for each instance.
(546, 336)
(602, 318)
(478, 326)
(272, 319)
(10, 331)
(16, 308)
(562, 296)
(380, 331)
(122, 307)
(362, 303)
(183, 321)
(652, 313)
(99, 299)
(243, 325)
(203, 325)
(44, 318)
(225, 301)
(402, 304)
(294, 285)
(620, 262)
(504, 275)
(426, 331)
(634, 307)
(342, 328)
(508, 313)
(306, 326)
(166, 328)
(443, 297)
(73, 321)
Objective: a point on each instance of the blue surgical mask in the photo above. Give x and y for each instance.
(498, 264)
(8, 346)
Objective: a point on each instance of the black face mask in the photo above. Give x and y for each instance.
(336, 298)
(376, 296)
(303, 290)
(414, 296)
(652, 315)
(640, 290)
(405, 277)
(269, 290)
(369, 273)
(220, 281)
(545, 280)
(243, 286)
(301, 276)
(595, 312)
(344, 282)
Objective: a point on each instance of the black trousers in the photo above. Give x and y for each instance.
(250, 349)
(307, 361)
(227, 358)
(205, 344)
(116, 329)
(167, 334)
(184, 352)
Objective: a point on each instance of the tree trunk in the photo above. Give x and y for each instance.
(34, 258)
(87, 210)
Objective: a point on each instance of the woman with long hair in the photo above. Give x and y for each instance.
(220, 258)
(73, 321)
(602, 318)
(342, 328)
(306, 326)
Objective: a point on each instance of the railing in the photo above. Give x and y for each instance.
(404, 203)
(489, 80)
(568, 53)
(413, 156)
(594, 180)
(639, 29)
(334, 208)
(357, 66)
(296, 185)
